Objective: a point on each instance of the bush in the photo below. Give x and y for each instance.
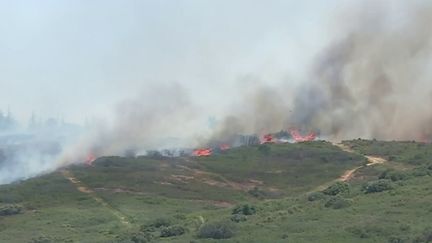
(264, 149)
(394, 175)
(141, 237)
(245, 209)
(217, 230)
(337, 203)
(161, 222)
(396, 239)
(256, 192)
(425, 237)
(314, 196)
(174, 230)
(378, 186)
(359, 232)
(43, 239)
(418, 172)
(11, 209)
(238, 218)
(337, 188)
(366, 231)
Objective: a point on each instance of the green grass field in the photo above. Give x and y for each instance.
(275, 191)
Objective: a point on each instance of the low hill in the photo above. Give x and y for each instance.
(305, 192)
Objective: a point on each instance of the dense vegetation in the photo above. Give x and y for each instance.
(267, 193)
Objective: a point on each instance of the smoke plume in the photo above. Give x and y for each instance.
(161, 117)
(374, 81)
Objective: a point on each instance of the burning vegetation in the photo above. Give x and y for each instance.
(294, 136)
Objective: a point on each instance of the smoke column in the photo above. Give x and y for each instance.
(374, 81)
(161, 117)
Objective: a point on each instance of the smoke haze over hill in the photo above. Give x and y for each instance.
(358, 71)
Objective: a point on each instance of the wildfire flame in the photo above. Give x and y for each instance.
(299, 138)
(268, 138)
(224, 147)
(202, 152)
(89, 160)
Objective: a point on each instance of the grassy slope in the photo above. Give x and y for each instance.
(407, 152)
(144, 189)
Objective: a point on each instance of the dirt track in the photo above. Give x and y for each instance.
(349, 174)
(372, 160)
(84, 189)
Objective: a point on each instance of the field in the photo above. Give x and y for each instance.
(305, 192)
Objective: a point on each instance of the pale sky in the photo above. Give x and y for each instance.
(76, 59)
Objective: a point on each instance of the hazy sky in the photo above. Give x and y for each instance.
(76, 59)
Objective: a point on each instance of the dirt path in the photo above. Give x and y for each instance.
(349, 174)
(84, 189)
(372, 160)
(375, 160)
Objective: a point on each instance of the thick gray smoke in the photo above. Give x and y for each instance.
(373, 82)
(263, 109)
(162, 117)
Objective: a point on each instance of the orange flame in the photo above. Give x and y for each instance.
(202, 152)
(268, 138)
(299, 138)
(224, 147)
(89, 160)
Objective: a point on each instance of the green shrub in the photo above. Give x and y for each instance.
(422, 171)
(141, 237)
(426, 236)
(262, 194)
(337, 188)
(337, 203)
(378, 186)
(180, 217)
(10, 209)
(366, 231)
(216, 230)
(43, 239)
(245, 209)
(174, 230)
(314, 196)
(359, 232)
(394, 175)
(397, 239)
(256, 192)
(238, 218)
(264, 149)
(161, 222)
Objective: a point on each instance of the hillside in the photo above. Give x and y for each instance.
(266, 193)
